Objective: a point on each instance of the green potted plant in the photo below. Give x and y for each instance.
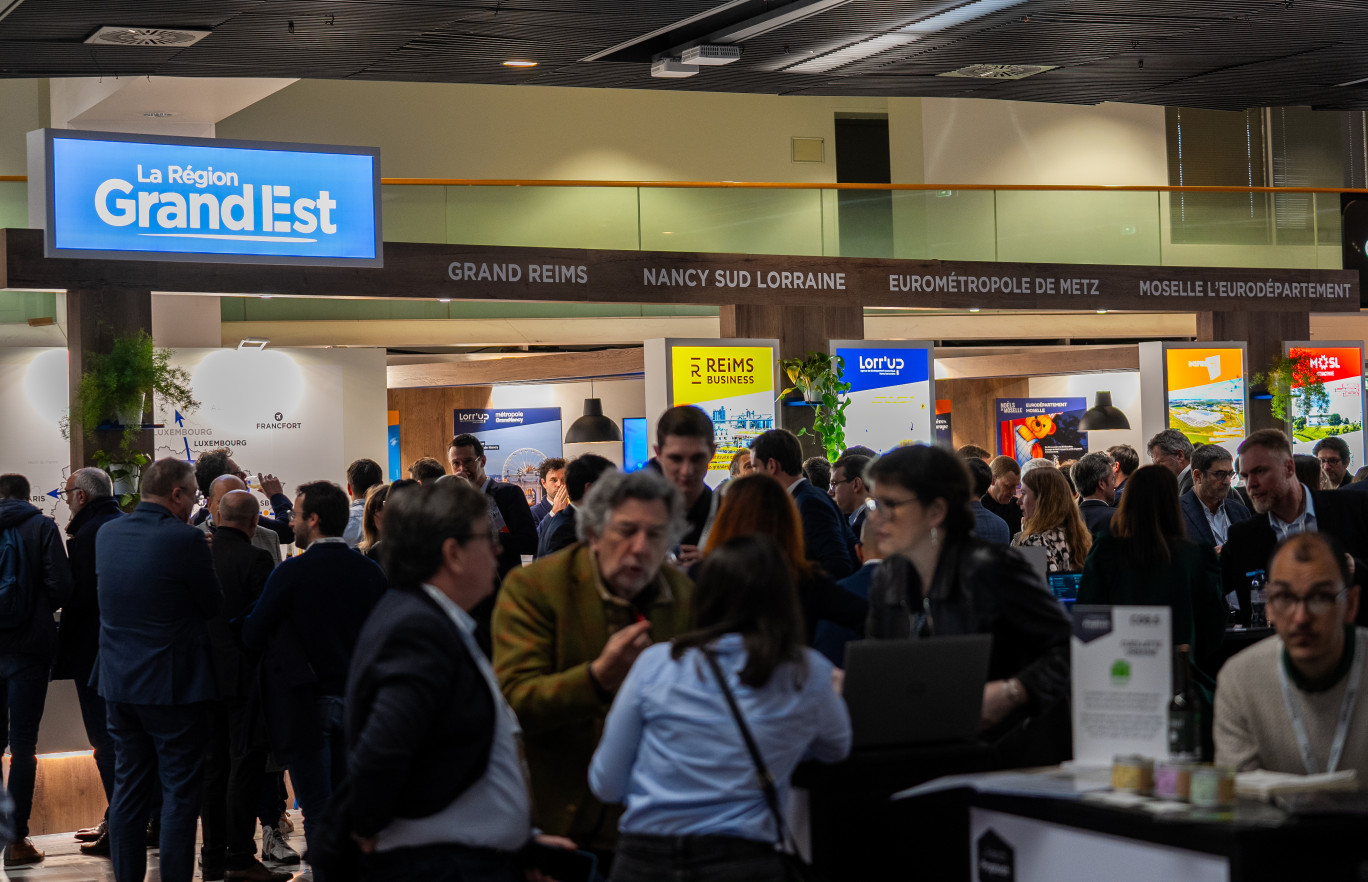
(112, 395)
(1286, 374)
(818, 377)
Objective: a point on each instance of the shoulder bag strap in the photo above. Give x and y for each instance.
(766, 779)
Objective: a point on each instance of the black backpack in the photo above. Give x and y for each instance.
(15, 596)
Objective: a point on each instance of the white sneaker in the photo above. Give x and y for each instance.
(274, 848)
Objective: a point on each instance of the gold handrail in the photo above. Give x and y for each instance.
(803, 185)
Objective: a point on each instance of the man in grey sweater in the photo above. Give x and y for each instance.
(1288, 704)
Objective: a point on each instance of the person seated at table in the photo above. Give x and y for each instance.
(1288, 704)
(937, 578)
(759, 505)
(672, 749)
(1050, 519)
(1144, 559)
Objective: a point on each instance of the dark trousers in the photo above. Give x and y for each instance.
(23, 692)
(695, 859)
(97, 733)
(316, 774)
(234, 768)
(156, 747)
(440, 863)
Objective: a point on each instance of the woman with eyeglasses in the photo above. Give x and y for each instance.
(938, 578)
(1145, 559)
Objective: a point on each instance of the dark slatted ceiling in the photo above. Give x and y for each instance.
(1223, 54)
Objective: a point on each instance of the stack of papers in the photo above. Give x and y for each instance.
(1264, 785)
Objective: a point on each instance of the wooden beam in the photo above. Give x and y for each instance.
(1065, 360)
(519, 369)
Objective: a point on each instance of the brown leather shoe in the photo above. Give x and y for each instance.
(254, 870)
(17, 854)
(97, 848)
(90, 834)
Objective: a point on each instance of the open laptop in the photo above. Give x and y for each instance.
(908, 692)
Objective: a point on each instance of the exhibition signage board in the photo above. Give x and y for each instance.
(1041, 428)
(1339, 366)
(1205, 389)
(891, 395)
(516, 440)
(732, 381)
(135, 197)
(395, 462)
(1122, 663)
(944, 435)
(479, 272)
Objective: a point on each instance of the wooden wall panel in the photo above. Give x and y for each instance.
(425, 418)
(973, 409)
(1265, 332)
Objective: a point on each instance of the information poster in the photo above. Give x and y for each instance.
(33, 386)
(1205, 391)
(1340, 369)
(943, 427)
(395, 466)
(734, 385)
(515, 440)
(1122, 665)
(1041, 428)
(891, 400)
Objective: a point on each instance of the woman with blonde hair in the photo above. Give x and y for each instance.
(1050, 519)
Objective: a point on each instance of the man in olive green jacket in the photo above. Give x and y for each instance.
(567, 629)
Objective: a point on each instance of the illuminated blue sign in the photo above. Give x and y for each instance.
(134, 198)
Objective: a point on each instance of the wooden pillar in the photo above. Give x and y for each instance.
(800, 330)
(95, 316)
(1265, 333)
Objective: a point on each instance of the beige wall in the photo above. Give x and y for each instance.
(971, 141)
(469, 131)
(23, 105)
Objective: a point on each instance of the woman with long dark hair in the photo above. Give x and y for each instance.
(1146, 559)
(759, 505)
(937, 578)
(672, 750)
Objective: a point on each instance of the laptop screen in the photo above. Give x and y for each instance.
(1065, 587)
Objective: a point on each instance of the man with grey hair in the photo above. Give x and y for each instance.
(90, 498)
(1209, 509)
(1093, 477)
(567, 629)
(266, 540)
(1172, 450)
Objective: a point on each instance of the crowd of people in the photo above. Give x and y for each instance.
(463, 686)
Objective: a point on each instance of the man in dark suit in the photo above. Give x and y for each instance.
(1209, 508)
(826, 533)
(551, 474)
(90, 499)
(1172, 450)
(1283, 507)
(509, 513)
(236, 760)
(831, 638)
(580, 475)
(157, 591)
(1093, 475)
(307, 621)
(849, 491)
(428, 731)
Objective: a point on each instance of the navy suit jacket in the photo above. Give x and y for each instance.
(157, 591)
(831, 638)
(559, 533)
(826, 532)
(1194, 518)
(520, 536)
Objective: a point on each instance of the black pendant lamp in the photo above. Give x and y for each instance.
(593, 427)
(1103, 415)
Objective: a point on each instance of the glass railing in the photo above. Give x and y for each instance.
(1123, 225)
(1150, 227)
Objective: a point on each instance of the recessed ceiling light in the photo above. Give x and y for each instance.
(1101, 312)
(444, 300)
(667, 232)
(973, 309)
(518, 62)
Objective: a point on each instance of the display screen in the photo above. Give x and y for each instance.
(131, 197)
(734, 386)
(516, 440)
(1206, 394)
(891, 400)
(636, 450)
(1340, 370)
(1041, 428)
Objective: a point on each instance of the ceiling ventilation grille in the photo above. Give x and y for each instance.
(1000, 71)
(157, 37)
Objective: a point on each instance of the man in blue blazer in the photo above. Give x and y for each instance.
(157, 591)
(826, 532)
(1209, 508)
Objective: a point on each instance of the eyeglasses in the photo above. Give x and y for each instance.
(835, 484)
(1317, 604)
(1330, 460)
(1220, 474)
(887, 507)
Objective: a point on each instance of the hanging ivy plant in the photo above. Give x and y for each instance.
(818, 378)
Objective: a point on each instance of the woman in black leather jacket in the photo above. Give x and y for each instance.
(937, 578)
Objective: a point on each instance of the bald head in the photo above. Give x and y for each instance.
(221, 486)
(238, 509)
